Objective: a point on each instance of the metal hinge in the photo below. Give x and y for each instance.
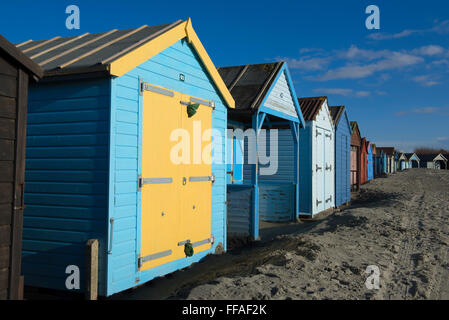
(202, 178)
(328, 167)
(329, 199)
(148, 87)
(318, 202)
(317, 133)
(318, 168)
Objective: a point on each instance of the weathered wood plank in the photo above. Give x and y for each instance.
(6, 193)
(5, 235)
(6, 171)
(19, 179)
(8, 86)
(5, 214)
(4, 278)
(4, 256)
(7, 129)
(8, 107)
(3, 294)
(7, 69)
(6, 150)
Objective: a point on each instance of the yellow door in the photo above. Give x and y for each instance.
(176, 202)
(196, 192)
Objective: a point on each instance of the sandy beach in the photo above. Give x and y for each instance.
(398, 223)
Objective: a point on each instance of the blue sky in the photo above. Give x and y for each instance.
(394, 81)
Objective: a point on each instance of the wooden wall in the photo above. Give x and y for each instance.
(13, 103)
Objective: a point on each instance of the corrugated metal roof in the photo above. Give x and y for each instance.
(311, 106)
(7, 48)
(336, 113)
(89, 52)
(249, 84)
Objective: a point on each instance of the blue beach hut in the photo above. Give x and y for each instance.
(267, 111)
(370, 163)
(342, 141)
(99, 162)
(317, 159)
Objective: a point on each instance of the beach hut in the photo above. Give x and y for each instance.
(317, 160)
(369, 162)
(396, 161)
(403, 162)
(356, 147)
(364, 161)
(433, 161)
(119, 150)
(381, 162)
(389, 155)
(413, 160)
(342, 155)
(16, 71)
(267, 111)
(374, 152)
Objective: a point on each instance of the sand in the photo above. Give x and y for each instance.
(399, 224)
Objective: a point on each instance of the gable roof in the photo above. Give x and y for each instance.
(354, 125)
(15, 54)
(410, 155)
(311, 106)
(249, 84)
(373, 148)
(117, 52)
(389, 151)
(336, 112)
(427, 157)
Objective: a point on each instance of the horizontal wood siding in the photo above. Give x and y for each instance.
(163, 70)
(239, 210)
(8, 115)
(66, 179)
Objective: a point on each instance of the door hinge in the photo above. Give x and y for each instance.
(318, 202)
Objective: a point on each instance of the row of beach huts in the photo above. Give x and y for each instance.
(86, 154)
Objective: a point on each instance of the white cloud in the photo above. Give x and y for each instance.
(307, 64)
(423, 110)
(394, 60)
(385, 36)
(342, 92)
(439, 28)
(426, 80)
(430, 50)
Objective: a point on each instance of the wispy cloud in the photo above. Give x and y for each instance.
(430, 50)
(385, 36)
(308, 63)
(426, 80)
(344, 92)
(394, 60)
(440, 27)
(423, 110)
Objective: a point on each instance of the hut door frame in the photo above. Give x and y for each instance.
(176, 195)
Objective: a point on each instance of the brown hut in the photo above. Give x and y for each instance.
(16, 70)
